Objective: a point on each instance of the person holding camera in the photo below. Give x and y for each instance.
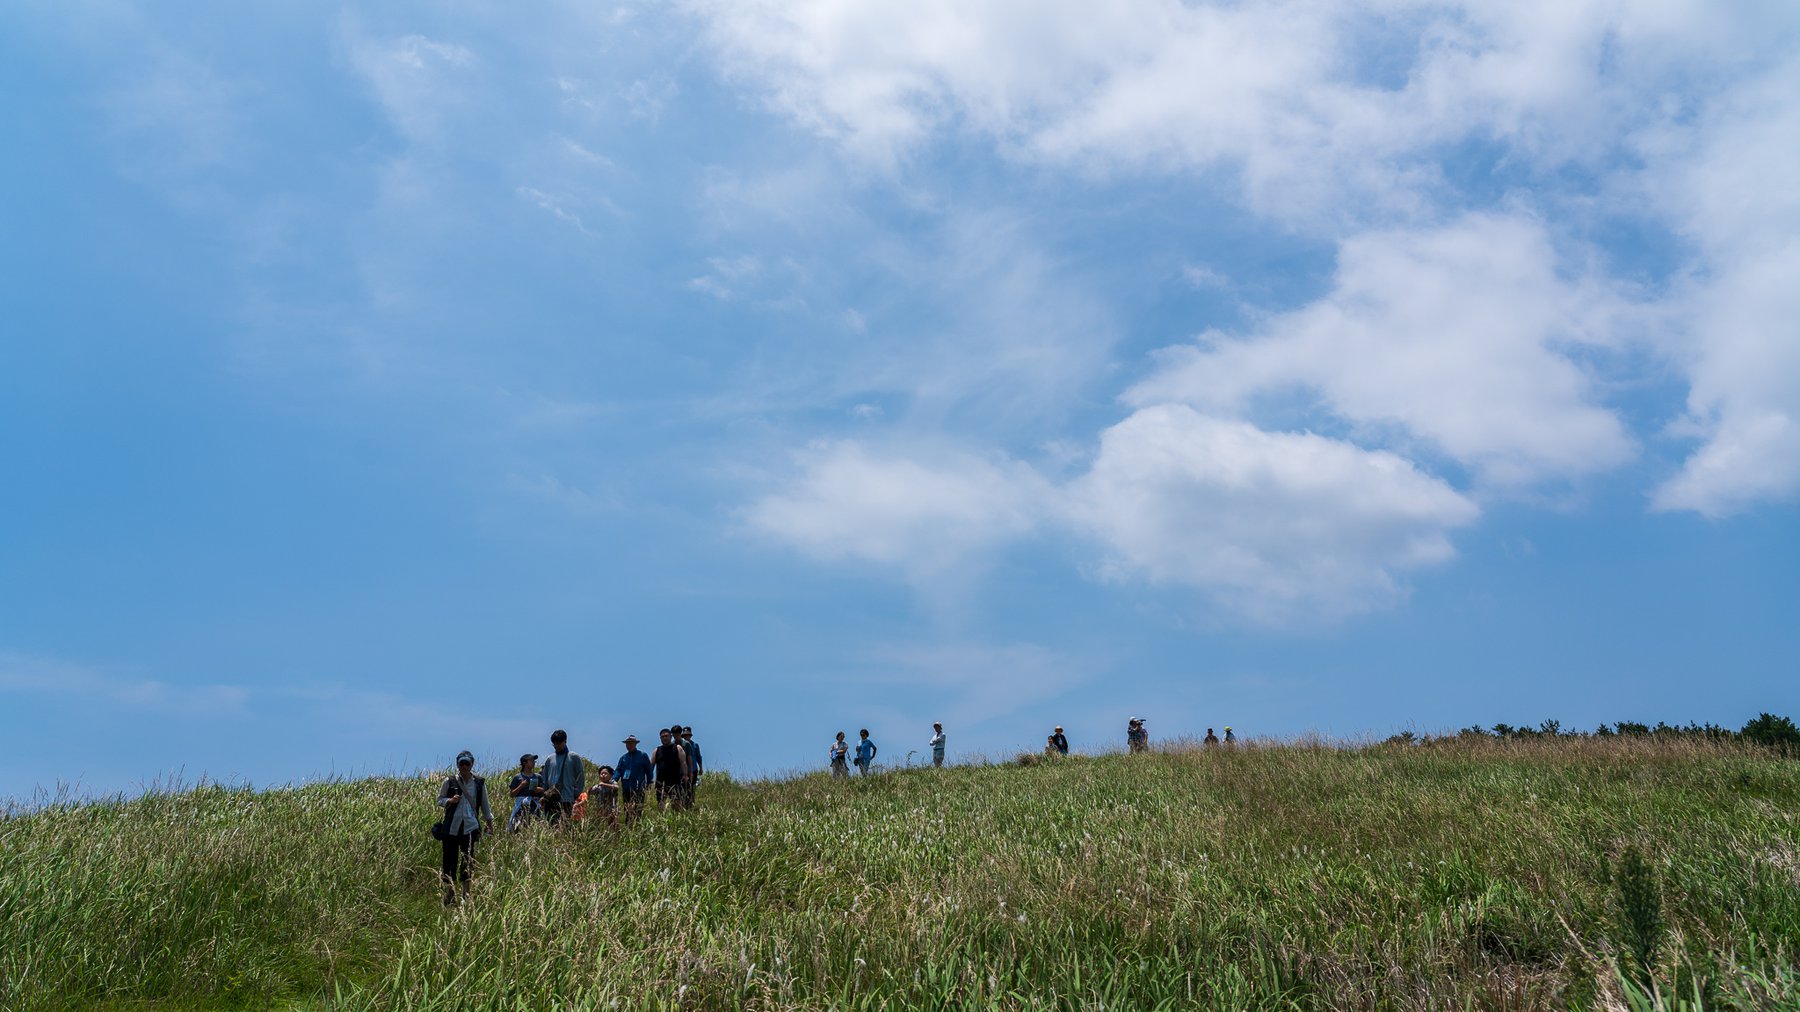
(462, 798)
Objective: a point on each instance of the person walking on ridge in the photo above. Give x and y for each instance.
(694, 766)
(937, 744)
(1212, 740)
(865, 752)
(527, 790)
(839, 754)
(1060, 740)
(1137, 736)
(463, 800)
(669, 767)
(565, 777)
(634, 778)
(1230, 739)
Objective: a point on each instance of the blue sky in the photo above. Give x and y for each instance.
(377, 383)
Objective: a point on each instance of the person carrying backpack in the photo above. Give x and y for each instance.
(462, 799)
(865, 753)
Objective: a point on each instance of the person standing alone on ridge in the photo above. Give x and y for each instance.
(1137, 737)
(865, 753)
(937, 744)
(565, 777)
(1060, 740)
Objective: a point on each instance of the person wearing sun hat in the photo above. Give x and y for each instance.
(463, 800)
(1060, 740)
(633, 771)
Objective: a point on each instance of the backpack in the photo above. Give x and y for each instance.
(440, 830)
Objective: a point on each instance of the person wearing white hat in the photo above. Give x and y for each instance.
(937, 744)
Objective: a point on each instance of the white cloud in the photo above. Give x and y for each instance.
(1281, 528)
(1732, 194)
(83, 685)
(1309, 104)
(1278, 527)
(1458, 334)
(926, 513)
(415, 80)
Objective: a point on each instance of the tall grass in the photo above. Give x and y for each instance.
(1478, 874)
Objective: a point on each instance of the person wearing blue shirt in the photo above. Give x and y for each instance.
(865, 753)
(937, 744)
(633, 771)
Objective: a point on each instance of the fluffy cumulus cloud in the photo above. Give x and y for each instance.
(1459, 335)
(927, 513)
(1467, 163)
(1732, 195)
(1275, 526)
(1280, 528)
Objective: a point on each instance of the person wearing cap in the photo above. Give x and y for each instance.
(565, 777)
(1211, 740)
(1230, 739)
(633, 771)
(1137, 736)
(865, 753)
(839, 754)
(694, 766)
(669, 766)
(1060, 740)
(463, 800)
(527, 790)
(937, 744)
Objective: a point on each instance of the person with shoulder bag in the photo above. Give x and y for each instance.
(463, 801)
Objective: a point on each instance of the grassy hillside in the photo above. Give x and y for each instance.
(1475, 874)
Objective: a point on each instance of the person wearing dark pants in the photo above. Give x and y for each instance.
(463, 800)
(565, 778)
(634, 773)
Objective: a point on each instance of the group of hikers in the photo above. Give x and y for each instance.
(558, 792)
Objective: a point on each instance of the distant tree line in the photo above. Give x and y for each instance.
(1767, 729)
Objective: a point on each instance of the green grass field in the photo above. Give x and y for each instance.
(1482, 874)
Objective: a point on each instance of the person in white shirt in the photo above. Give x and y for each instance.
(937, 744)
(463, 800)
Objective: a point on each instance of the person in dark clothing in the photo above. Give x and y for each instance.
(669, 767)
(634, 778)
(1060, 740)
(463, 800)
(695, 768)
(1212, 740)
(1137, 736)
